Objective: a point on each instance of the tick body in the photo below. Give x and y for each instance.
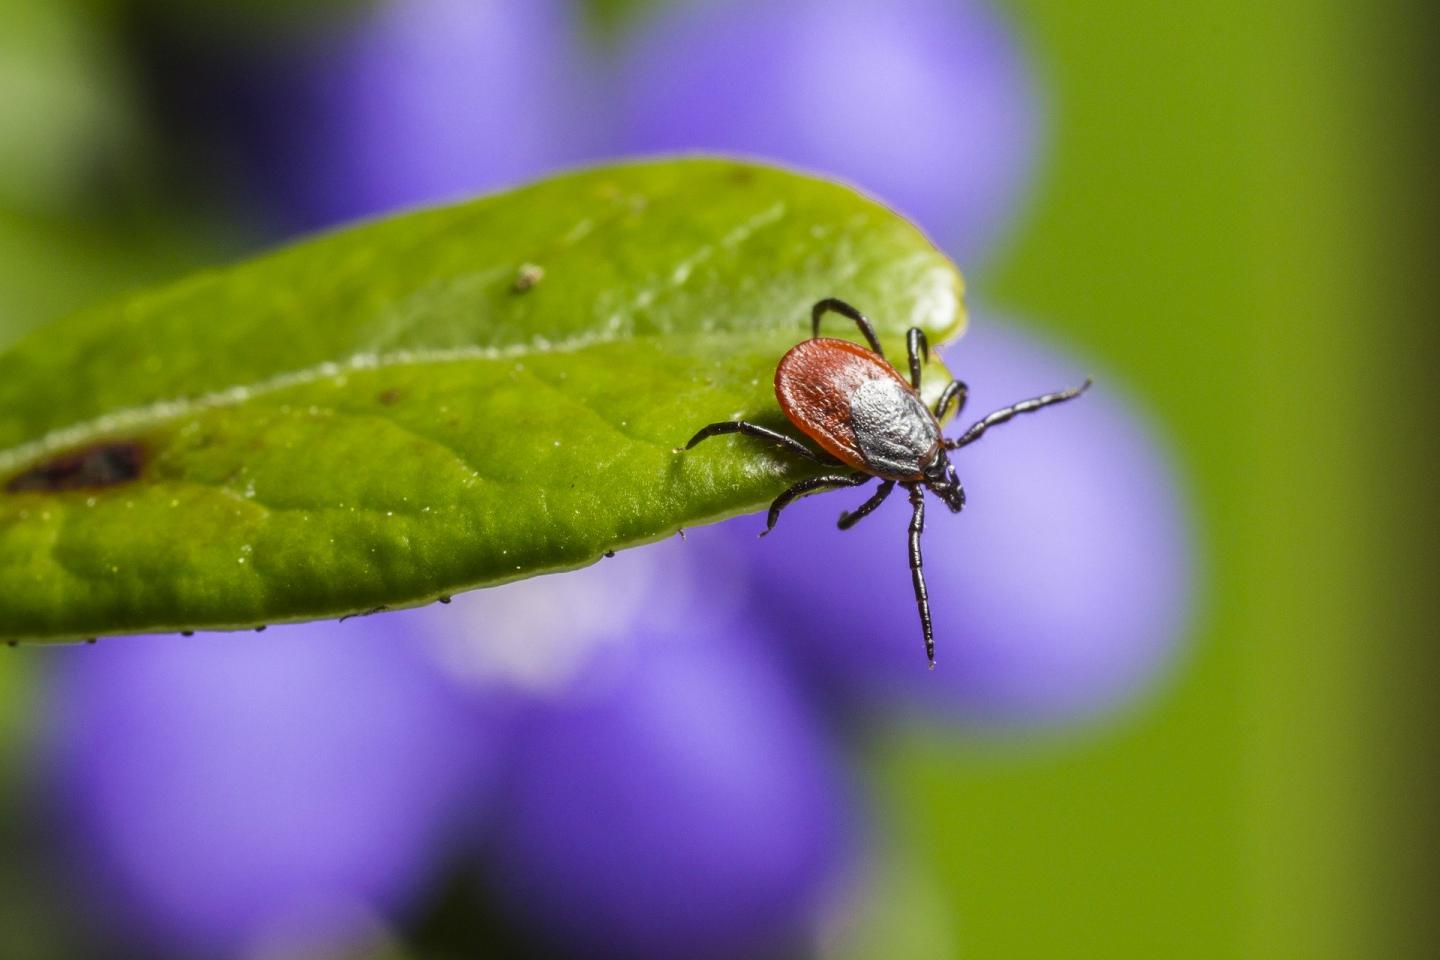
(855, 406)
(865, 416)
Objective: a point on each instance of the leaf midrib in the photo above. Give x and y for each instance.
(160, 411)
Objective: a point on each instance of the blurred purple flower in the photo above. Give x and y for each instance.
(430, 100)
(927, 103)
(667, 793)
(219, 791)
(1061, 590)
(691, 808)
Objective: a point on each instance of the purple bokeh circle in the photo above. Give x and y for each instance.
(219, 791)
(668, 792)
(1061, 590)
(926, 103)
(423, 101)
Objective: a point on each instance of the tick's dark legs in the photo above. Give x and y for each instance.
(955, 392)
(764, 433)
(917, 347)
(807, 486)
(845, 310)
(917, 568)
(979, 427)
(848, 520)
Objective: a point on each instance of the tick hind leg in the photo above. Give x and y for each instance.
(848, 520)
(831, 304)
(978, 428)
(917, 569)
(809, 486)
(764, 433)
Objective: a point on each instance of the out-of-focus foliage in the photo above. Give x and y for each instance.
(65, 113)
(442, 400)
(14, 718)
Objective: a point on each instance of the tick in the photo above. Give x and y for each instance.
(864, 415)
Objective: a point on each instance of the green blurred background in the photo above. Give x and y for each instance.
(1233, 211)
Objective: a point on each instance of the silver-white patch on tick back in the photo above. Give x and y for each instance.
(894, 431)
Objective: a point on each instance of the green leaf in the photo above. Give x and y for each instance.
(447, 399)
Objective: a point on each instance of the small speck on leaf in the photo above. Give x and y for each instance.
(526, 277)
(388, 397)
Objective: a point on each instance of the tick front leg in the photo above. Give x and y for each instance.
(955, 392)
(807, 486)
(979, 427)
(917, 569)
(848, 520)
(917, 346)
(764, 433)
(831, 304)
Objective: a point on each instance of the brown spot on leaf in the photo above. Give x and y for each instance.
(388, 397)
(105, 464)
(741, 175)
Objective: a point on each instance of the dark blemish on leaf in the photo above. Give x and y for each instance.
(187, 633)
(741, 176)
(260, 629)
(93, 640)
(364, 613)
(388, 397)
(608, 554)
(444, 599)
(12, 643)
(526, 277)
(106, 464)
